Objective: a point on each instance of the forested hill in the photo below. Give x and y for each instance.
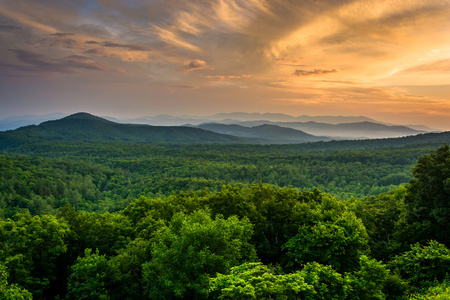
(273, 134)
(86, 127)
(357, 130)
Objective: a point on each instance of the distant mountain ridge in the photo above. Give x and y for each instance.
(84, 127)
(88, 128)
(335, 127)
(278, 117)
(325, 126)
(232, 118)
(271, 133)
(359, 130)
(20, 121)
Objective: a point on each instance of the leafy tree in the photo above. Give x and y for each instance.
(258, 281)
(106, 232)
(428, 197)
(423, 266)
(126, 280)
(439, 292)
(314, 281)
(373, 281)
(327, 283)
(190, 250)
(89, 276)
(338, 243)
(11, 291)
(30, 247)
(383, 218)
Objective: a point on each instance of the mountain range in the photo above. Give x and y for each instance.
(271, 134)
(343, 131)
(20, 121)
(334, 127)
(232, 118)
(85, 127)
(88, 128)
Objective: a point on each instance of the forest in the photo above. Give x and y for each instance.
(125, 220)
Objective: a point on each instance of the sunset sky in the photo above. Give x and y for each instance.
(384, 59)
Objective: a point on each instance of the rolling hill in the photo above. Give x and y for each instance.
(358, 130)
(88, 128)
(270, 134)
(85, 127)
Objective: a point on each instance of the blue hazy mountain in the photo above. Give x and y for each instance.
(358, 130)
(270, 133)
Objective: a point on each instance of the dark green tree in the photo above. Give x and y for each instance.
(89, 277)
(423, 266)
(383, 217)
(428, 198)
(338, 243)
(190, 250)
(31, 247)
(11, 291)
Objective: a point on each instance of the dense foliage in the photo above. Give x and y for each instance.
(129, 221)
(104, 177)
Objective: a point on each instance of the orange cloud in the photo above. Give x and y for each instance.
(229, 77)
(313, 72)
(196, 64)
(440, 66)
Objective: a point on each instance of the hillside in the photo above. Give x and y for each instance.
(88, 128)
(271, 134)
(358, 130)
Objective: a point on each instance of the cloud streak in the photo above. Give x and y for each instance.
(10, 27)
(37, 63)
(130, 47)
(440, 66)
(62, 34)
(313, 72)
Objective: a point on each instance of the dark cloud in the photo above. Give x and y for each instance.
(37, 63)
(313, 72)
(69, 43)
(92, 42)
(82, 57)
(97, 51)
(31, 58)
(83, 62)
(94, 30)
(62, 34)
(131, 47)
(10, 27)
(196, 64)
(57, 42)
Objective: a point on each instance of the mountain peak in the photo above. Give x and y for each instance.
(84, 116)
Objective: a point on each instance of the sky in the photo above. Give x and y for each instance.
(384, 59)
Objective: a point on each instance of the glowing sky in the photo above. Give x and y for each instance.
(385, 59)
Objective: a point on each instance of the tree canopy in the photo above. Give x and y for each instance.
(67, 231)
